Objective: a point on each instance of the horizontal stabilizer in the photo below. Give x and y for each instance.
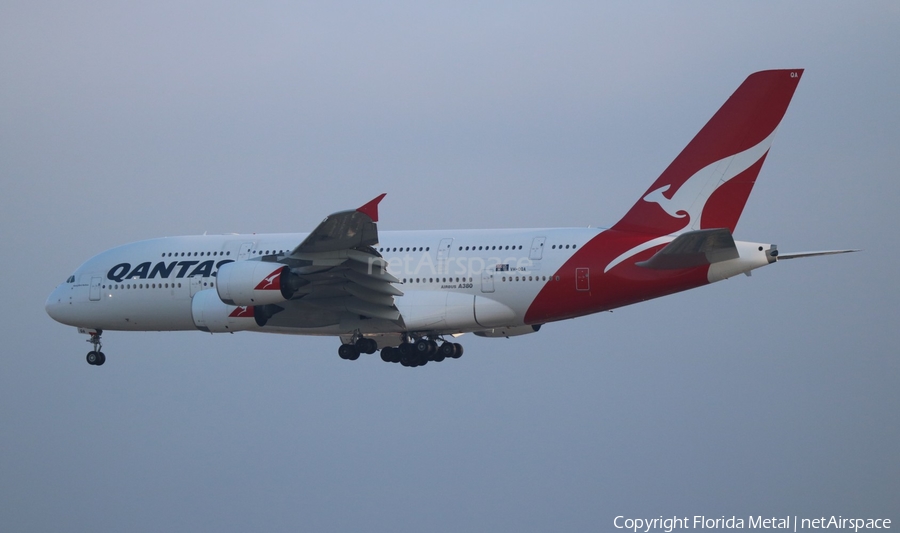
(813, 254)
(694, 248)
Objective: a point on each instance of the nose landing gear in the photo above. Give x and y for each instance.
(96, 357)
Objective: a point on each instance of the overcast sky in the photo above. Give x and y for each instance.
(775, 394)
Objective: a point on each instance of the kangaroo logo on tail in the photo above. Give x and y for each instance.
(690, 199)
(733, 143)
(721, 151)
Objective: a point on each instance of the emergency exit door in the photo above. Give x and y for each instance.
(582, 279)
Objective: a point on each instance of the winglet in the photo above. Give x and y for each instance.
(371, 208)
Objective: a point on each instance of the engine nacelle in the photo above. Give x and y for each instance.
(210, 314)
(246, 283)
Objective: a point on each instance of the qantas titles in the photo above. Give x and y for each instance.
(163, 270)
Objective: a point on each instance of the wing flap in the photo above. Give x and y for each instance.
(378, 273)
(368, 295)
(356, 306)
(372, 283)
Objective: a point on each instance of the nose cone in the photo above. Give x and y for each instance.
(51, 304)
(56, 305)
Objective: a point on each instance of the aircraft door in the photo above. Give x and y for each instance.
(487, 280)
(582, 279)
(444, 249)
(537, 248)
(196, 285)
(244, 254)
(95, 289)
(443, 255)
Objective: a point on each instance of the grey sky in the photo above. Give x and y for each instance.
(771, 395)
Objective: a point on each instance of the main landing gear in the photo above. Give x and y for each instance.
(421, 352)
(96, 357)
(411, 353)
(351, 351)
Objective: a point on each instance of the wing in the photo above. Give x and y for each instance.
(345, 230)
(338, 270)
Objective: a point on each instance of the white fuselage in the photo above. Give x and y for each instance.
(149, 285)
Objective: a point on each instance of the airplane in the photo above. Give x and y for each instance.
(410, 294)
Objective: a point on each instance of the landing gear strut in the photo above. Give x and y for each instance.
(96, 357)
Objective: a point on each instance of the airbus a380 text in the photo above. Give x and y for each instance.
(409, 294)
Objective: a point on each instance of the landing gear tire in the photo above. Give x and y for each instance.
(366, 346)
(458, 349)
(409, 355)
(390, 354)
(95, 358)
(423, 347)
(348, 352)
(448, 349)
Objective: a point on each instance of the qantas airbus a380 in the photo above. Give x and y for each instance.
(404, 291)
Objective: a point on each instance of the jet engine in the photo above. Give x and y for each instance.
(246, 283)
(210, 314)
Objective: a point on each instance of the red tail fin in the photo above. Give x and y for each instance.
(707, 185)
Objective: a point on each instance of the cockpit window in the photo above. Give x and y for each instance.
(71, 279)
